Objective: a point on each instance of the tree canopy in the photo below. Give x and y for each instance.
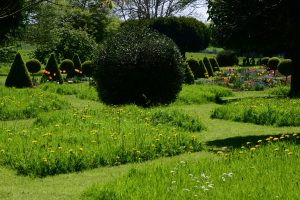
(265, 26)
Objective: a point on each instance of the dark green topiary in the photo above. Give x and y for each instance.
(51, 72)
(88, 68)
(194, 66)
(214, 63)
(66, 66)
(227, 58)
(273, 63)
(259, 62)
(18, 75)
(203, 71)
(33, 66)
(246, 61)
(77, 66)
(285, 67)
(188, 74)
(264, 61)
(208, 66)
(137, 65)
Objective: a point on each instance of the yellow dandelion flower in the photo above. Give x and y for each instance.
(253, 149)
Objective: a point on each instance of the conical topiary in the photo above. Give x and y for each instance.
(214, 63)
(188, 74)
(208, 66)
(51, 72)
(77, 65)
(18, 75)
(203, 70)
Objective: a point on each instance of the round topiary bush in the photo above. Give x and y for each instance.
(188, 74)
(208, 66)
(214, 63)
(264, 61)
(33, 66)
(203, 71)
(137, 65)
(285, 67)
(194, 66)
(18, 75)
(227, 58)
(88, 68)
(66, 66)
(273, 63)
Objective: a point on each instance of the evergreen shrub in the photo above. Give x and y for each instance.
(137, 65)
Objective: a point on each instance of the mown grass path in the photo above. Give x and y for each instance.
(71, 186)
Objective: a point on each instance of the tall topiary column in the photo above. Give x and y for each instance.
(208, 66)
(51, 72)
(77, 66)
(18, 75)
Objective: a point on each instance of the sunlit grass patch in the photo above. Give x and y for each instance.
(80, 90)
(271, 111)
(63, 142)
(255, 171)
(27, 103)
(200, 94)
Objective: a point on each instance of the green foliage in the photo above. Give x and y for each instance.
(265, 60)
(227, 58)
(279, 90)
(273, 63)
(78, 139)
(285, 67)
(188, 74)
(88, 68)
(246, 61)
(208, 66)
(279, 112)
(178, 119)
(202, 70)
(18, 75)
(195, 67)
(33, 66)
(51, 72)
(252, 61)
(7, 54)
(28, 103)
(178, 29)
(224, 175)
(259, 62)
(66, 66)
(139, 66)
(80, 90)
(214, 63)
(200, 94)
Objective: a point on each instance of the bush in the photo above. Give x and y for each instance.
(227, 58)
(7, 54)
(178, 29)
(139, 66)
(88, 68)
(246, 62)
(51, 72)
(203, 71)
(66, 66)
(214, 63)
(252, 62)
(273, 63)
(70, 41)
(194, 65)
(18, 75)
(259, 62)
(188, 74)
(33, 66)
(285, 67)
(265, 60)
(208, 66)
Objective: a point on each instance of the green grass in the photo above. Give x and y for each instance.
(201, 94)
(95, 135)
(272, 111)
(245, 173)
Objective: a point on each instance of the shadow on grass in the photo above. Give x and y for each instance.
(237, 142)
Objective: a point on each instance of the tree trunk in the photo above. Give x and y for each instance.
(295, 80)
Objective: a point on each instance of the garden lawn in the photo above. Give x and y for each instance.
(71, 139)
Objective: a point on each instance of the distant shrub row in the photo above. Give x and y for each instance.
(203, 68)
